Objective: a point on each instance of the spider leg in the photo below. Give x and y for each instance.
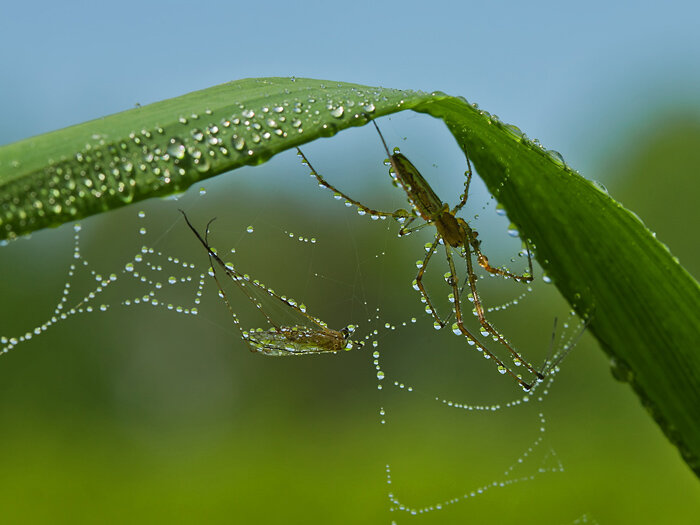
(479, 309)
(459, 327)
(405, 230)
(465, 195)
(418, 282)
(484, 261)
(323, 182)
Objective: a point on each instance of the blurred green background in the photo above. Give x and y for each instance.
(143, 414)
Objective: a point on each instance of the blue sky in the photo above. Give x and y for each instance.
(578, 76)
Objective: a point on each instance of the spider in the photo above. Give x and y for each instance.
(279, 340)
(454, 233)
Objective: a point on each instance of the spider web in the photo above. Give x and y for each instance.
(137, 297)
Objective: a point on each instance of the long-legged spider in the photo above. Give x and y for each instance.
(454, 233)
(278, 340)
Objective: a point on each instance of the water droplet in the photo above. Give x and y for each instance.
(237, 142)
(514, 131)
(337, 112)
(556, 157)
(176, 148)
(250, 229)
(202, 164)
(600, 187)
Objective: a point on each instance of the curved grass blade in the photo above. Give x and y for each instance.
(164, 148)
(642, 306)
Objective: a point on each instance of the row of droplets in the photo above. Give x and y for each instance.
(149, 276)
(141, 164)
(549, 464)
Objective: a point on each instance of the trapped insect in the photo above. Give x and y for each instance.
(277, 340)
(454, 233)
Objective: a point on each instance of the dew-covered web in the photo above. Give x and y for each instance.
(153, 271)
(423, 377)
(537, 458)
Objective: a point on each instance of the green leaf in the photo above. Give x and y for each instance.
(642, 305)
